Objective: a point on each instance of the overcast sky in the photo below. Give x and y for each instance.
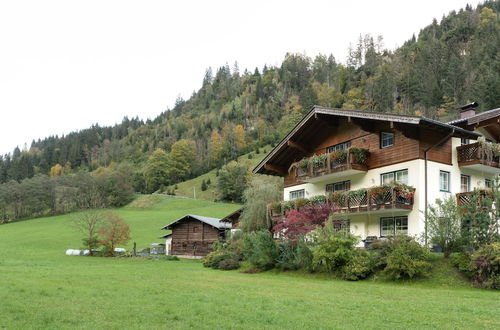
(65, 65)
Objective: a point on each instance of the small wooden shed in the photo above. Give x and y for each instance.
(193, 235)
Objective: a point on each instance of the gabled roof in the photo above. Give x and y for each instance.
(376, 116)
(477, 118)
(214, 222)
(233, 217)
(166, 236)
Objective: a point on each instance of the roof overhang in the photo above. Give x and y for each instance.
(207, 220)
(316, 111)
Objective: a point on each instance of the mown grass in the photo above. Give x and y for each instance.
(42, 288)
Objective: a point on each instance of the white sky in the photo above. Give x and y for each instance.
(65, 65)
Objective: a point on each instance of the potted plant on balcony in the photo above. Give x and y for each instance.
(275, 208)
(319, 199)
(338, 157)
(378, 194)
(360, 155)
(338, 199)
(357, 197)
(318, 163)
(404, 193)
(288, 205)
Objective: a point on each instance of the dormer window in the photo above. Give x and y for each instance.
(386, 139)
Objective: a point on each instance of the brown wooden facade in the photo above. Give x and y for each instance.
(320, 131)
(192, 237)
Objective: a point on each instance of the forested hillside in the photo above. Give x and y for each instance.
(448, 64)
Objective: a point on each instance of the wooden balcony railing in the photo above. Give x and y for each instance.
(478, 153)
(390, 196)
(336, 161)
(467, 198)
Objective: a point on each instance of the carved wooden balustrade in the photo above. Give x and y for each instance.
(478, 153)
(336, 161)
(391, 196)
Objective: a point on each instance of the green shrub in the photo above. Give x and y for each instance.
(359, 267)
(303, 256)
(462, 262)
(332, 250)
(170, 258)
(229, 264)
(213, 259)
(402, 257)
(485, 266)
(286, 256)
(260, 250)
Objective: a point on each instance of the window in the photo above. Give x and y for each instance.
(386, 139)
(297, 194)
(464, 141)
(488, 183)
(444, 181)
(342, 225)
(396, 176)
(464, 183)
(340, 146)
(338, 186)
(390, 226)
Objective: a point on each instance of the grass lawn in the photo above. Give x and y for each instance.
(192, 188)
(42, 288)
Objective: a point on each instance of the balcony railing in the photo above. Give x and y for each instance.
(336, 161)
(484, 153)
(390, 196)
(468, 198)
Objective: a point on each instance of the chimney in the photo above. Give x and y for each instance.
(468, 110)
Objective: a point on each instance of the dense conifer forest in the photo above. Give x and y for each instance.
(449, 63)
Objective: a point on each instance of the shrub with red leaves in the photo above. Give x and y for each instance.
(302, 221)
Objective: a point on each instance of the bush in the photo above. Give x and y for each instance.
(303, 256)
(229, 264)
(260, 250)
(213, 259)
(402, 257)
(485, 266)
(332, 249)
(170, 258)
(462, 262)
(286, 256)
(359, 267)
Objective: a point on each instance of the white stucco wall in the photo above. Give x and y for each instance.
(369, 224)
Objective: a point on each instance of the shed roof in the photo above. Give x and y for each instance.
(366, 115)
(233, 217)
(214, 222)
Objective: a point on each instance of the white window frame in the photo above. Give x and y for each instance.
(341, 146)
(346, 184)
(296, 194)
(468, 188)
(384, 138)
(444, 186)
(394, 175)
(397, 225)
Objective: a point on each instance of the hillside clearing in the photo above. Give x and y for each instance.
(42, 288)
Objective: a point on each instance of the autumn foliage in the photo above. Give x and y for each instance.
(113, 232)
(302, 221)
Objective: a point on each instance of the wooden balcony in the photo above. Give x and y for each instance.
(331, 165)
(479, 156)
(377, 199)
(467, 198)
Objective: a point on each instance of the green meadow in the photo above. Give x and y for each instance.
(41, 288)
